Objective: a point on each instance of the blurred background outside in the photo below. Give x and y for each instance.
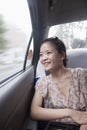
(15, 31)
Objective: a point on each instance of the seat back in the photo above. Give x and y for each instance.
(77, 58)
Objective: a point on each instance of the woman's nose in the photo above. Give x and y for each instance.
(44, 57)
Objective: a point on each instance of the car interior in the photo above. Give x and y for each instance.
(16, 93)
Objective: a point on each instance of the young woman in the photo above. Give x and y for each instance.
(63, 91)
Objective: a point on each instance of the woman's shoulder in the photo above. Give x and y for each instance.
(79, 71)
(43, 79)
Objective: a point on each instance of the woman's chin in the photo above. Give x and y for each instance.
(47, 69)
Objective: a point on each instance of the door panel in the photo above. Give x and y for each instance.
(15, 98)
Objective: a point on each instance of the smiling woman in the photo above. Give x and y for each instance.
(63, 92)
(15, 30)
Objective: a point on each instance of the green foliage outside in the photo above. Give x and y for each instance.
(2, 31)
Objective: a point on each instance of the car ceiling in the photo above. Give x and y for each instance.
(52, 12)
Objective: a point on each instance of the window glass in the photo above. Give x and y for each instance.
(74, 34)
(30, 54)
(15, 32)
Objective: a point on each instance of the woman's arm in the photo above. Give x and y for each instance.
(83, 127)
(37, 112)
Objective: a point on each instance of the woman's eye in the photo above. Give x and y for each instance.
(49, 52)
(40, 55)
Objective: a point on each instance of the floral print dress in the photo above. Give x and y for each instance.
(54, 98)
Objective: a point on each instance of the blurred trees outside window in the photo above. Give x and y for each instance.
(73, 34)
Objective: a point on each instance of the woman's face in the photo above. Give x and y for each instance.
(49, 57)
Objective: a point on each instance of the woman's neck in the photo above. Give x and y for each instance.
(59, 73)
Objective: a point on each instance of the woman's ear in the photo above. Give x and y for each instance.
(63, 55)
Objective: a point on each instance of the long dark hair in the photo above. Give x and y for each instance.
(59, 45)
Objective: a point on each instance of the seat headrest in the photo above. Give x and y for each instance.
(77, 58)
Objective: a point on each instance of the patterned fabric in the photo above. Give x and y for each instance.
(54, 98)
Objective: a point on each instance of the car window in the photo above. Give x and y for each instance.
(73, 34)
(15, 32)
(30, 54)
